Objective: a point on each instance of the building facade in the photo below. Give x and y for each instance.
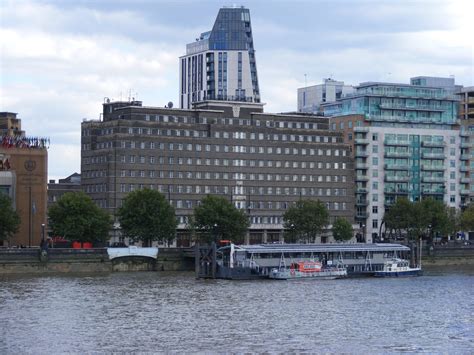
(23, 177)
(72, 183)
(405, 142)
(466, 119)
(311, 97)
(221, 64)
(261, 162)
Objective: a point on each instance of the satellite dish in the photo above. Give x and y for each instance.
(170, 104)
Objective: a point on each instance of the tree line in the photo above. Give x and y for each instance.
(146, 216)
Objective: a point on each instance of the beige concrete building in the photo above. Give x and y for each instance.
(23, 177)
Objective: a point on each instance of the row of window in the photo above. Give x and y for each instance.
(221, 121)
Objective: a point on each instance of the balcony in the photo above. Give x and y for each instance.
(464, 192)
(465, 180)
(433, 144)
(392, 106)
(362, 203)
(361, 178)
(433, 155)
(397, 143)
(465, 157)
(464, 133)
(361, 166)
(432, 192)
(427, 167)
(397, 154)
(361, 153)
(361, 215)
(361, 190)
(466, 144)
(395, 192)
(396, 178)
(361, 129)
(361, 141)
(396, 167)
(433, 179)
(464, 168)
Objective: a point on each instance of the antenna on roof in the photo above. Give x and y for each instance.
(305, 83)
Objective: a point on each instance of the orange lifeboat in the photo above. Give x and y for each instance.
(309, 266)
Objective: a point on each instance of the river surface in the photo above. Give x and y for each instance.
(173, 312)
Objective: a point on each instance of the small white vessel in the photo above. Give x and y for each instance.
(398, 268)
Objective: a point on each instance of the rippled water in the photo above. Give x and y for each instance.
(161, 312)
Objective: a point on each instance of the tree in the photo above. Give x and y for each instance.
(466, 220)
(342, 230)
(305, 220)
(147, 216)
(9, 218)
(397, 218)
(76, 217)
(423, 218)
(216, 218)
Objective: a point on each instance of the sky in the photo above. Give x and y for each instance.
(59, 59)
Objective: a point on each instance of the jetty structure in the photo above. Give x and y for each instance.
(256, 261)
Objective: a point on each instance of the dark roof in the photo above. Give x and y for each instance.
(336, 247)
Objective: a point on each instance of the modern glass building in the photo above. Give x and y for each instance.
(220, 64)
(405, 140)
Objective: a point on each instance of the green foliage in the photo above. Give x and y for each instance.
(9, 218)
(342, 230)
(305, 221)
(424, 218)
(216, 218)
(147, 216)
(466, 220)
(76, 217)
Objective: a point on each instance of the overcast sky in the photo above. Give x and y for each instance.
(59, 59)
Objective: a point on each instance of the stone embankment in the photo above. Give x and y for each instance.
(449, 255)
(33, 260)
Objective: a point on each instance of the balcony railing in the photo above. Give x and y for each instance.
(363, 166)
(412, 108)
(396, 142)
(432, 179)
(433, 192)
(361, 190)
(432, 167)
(361, 129)
(465, 180)
(396, 192)
(396, 178)
(433, 155)
(432, 144)
(464, 192)
(361, 153)
(396, 167)
(362, 178)
(465, 157)
(397, 154)
(464, 168)
(362, 141)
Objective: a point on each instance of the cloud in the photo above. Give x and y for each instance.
(59, 59)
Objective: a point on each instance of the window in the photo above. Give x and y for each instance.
(375, 161)
(375, 148)
(375, 223)
(375, 137)
(375, 209)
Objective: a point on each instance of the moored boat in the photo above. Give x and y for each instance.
(398, 268)
(307, 269)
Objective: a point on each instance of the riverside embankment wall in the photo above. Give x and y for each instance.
(32, 260)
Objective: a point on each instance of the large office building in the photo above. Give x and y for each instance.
(220, 64)
(23, 177)
(311, 97)
(261, 162)
(405, 141)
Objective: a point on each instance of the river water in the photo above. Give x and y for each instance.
(174, 312)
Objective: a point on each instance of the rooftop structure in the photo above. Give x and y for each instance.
(311, 97)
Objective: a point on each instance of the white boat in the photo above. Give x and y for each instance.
(308, 270)
(398, 268)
